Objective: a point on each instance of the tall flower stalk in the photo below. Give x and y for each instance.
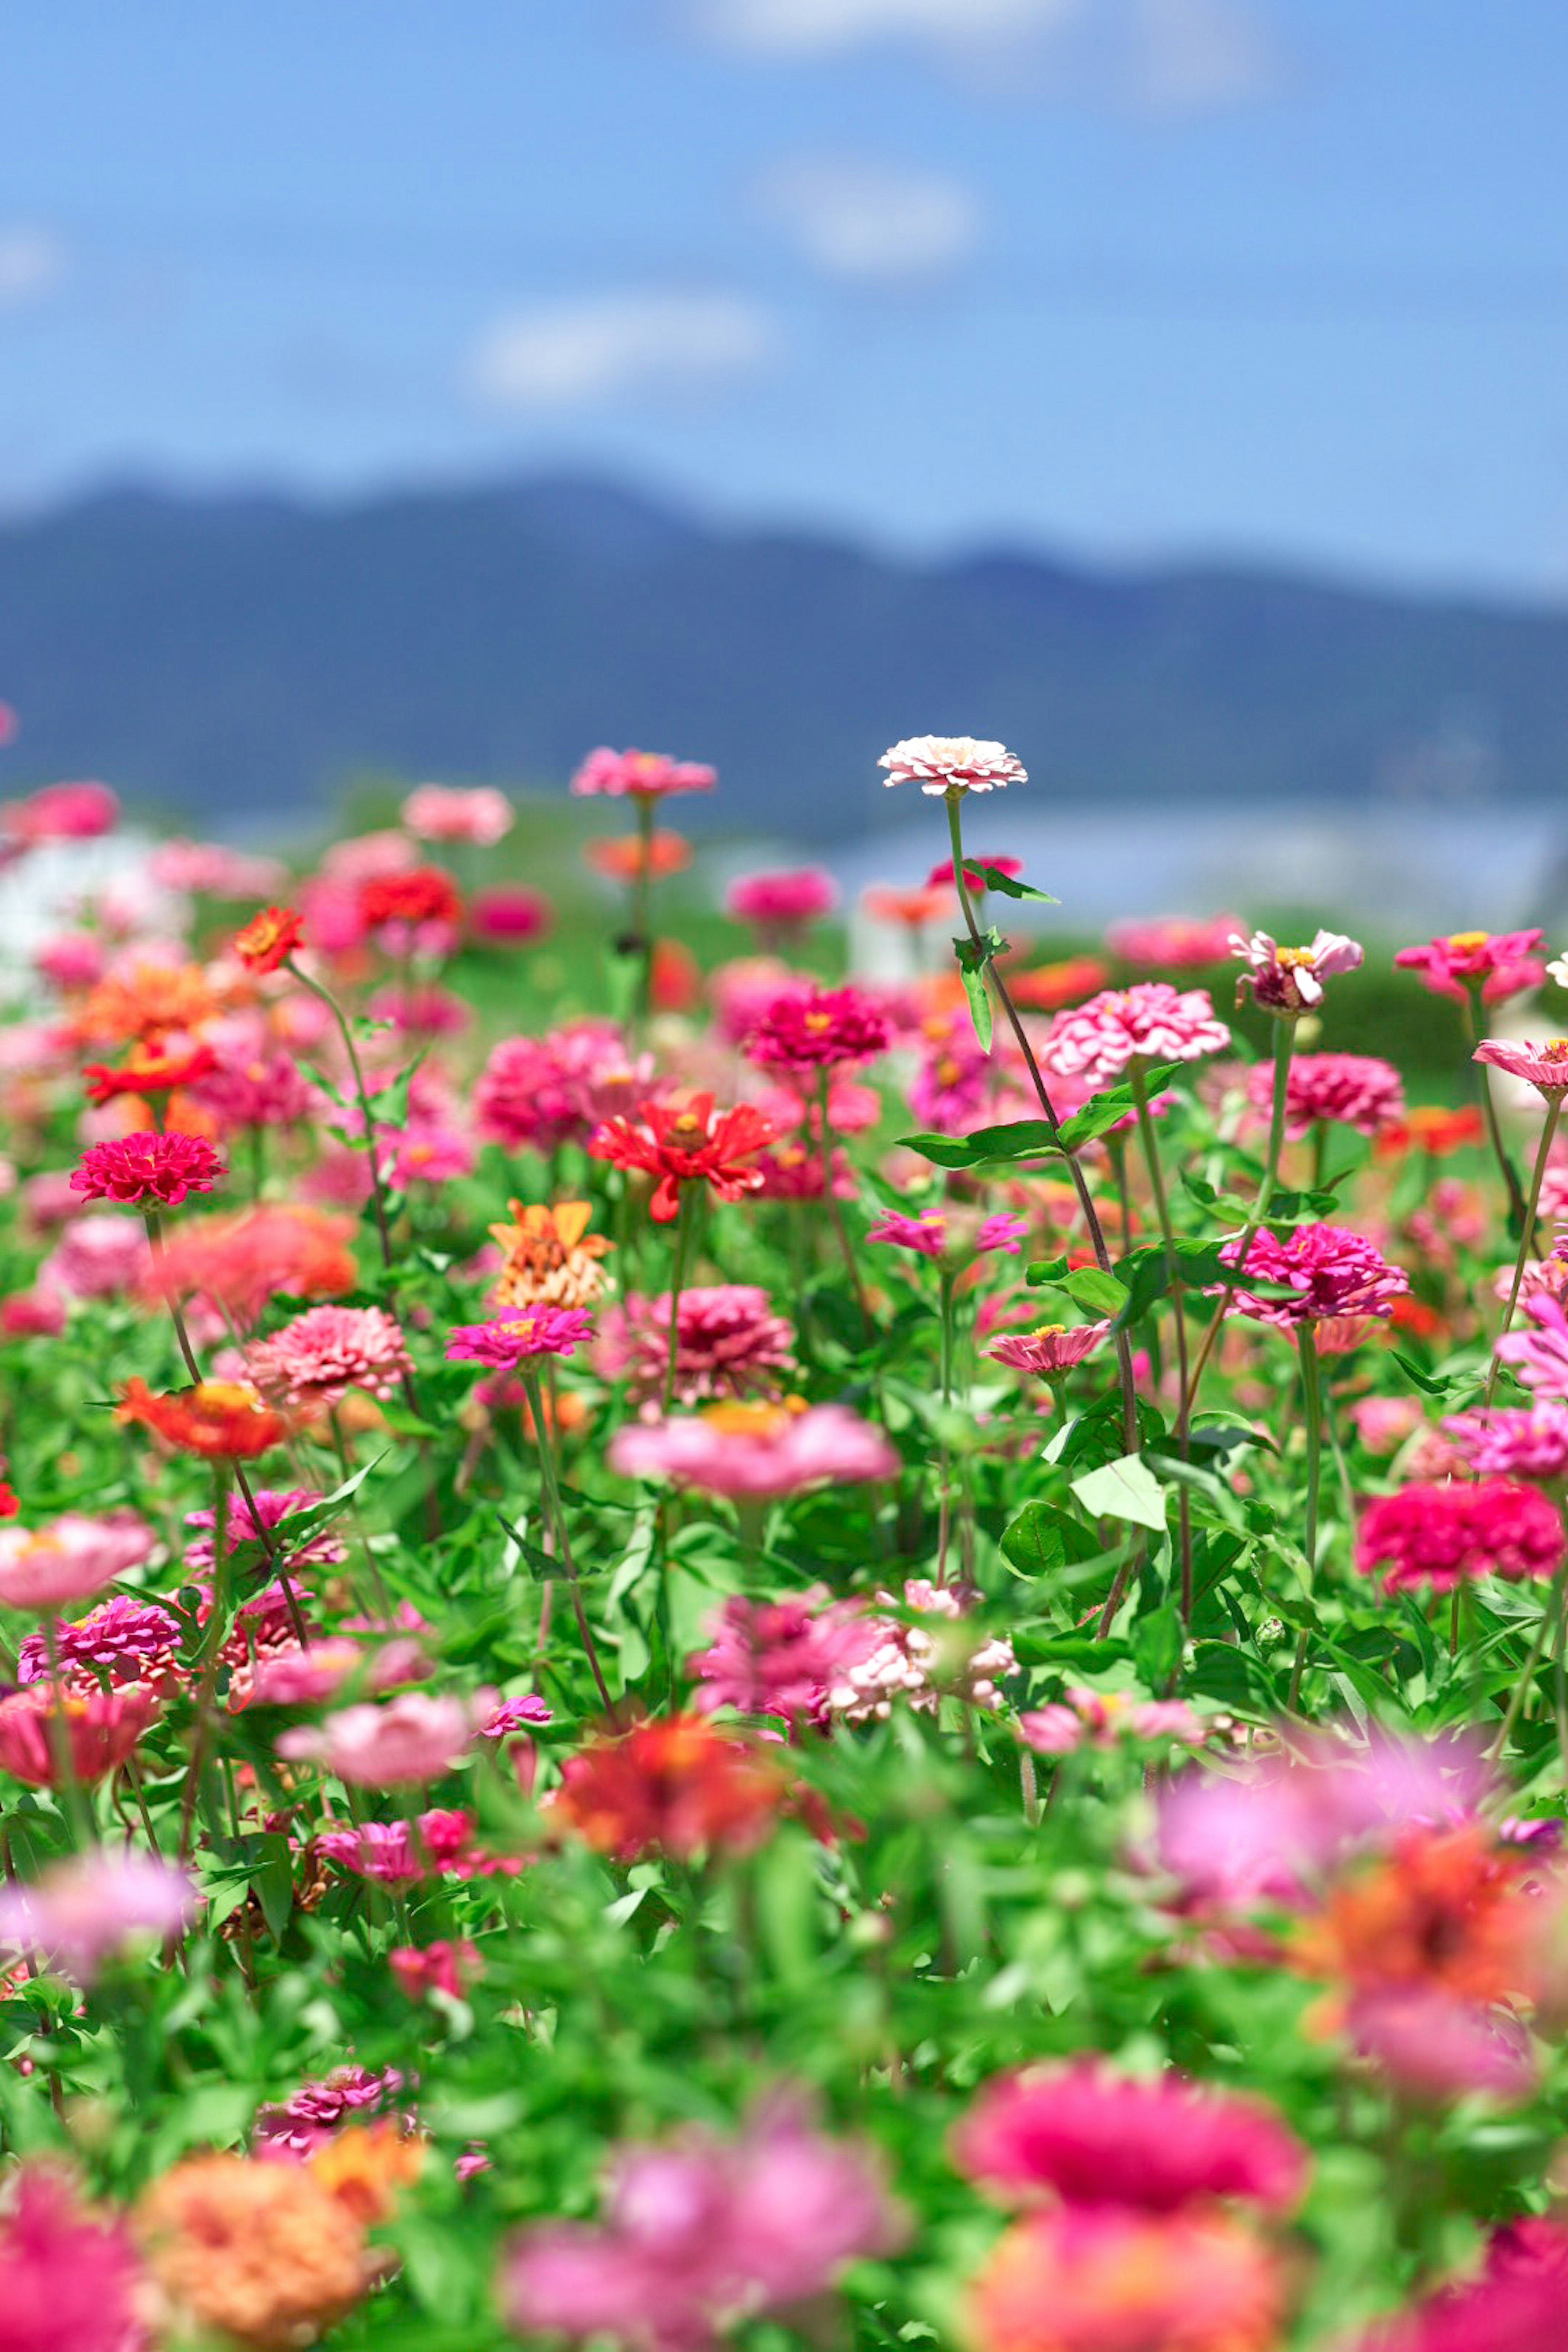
(1135, 1073)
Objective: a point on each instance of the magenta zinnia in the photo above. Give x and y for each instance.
(1354, 1090)
(1434, 1538)
(527, 1333)
(148, 1170)
(1332, 1271)
(811, 1029)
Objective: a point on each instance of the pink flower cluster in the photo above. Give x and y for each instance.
(313, 1363)
(819, 1029)
(400, 1853)
(782, 1658)
(541, 1092)
(1499, 963)
(1332, 1271)
(700, 2230)
(640, 775)
(1436, 1536)
(1355, 1090)
(1150, 1022)
(729, 1343)
(922, 1657)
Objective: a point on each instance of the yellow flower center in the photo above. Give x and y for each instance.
(1047, 1330)
(1466, 943)
(818, 1022)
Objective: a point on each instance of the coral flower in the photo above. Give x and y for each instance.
(1449, 1911)
(693, 1145)
(1429, 1127)
(73, 1556)
(102, 1729)
(152, 1067)
(912, 908)
(1354, 1090)
(677, 1786)
(1051, 1349)
(755, 1450)
(809, 1029)
(1332, 1271)
(82, 1911)
(259, 2251)
(148, 999)
(269, 939)
(640, 775)
(780, 904)
(1112, 2281)
(949, 1235)
(626, 856)
(549, 1257)
(1498, 964)
(952, 763)
(448, 813)
(520, 1337)
(1092, 2137)
(1176, 943)
(223, 1421)
(1436, 1536)
(148, 1170)
(242, 1261)
(1150, 1022)
(313, 1363)
(1289, 981)
(1544, 1067)
(69, 2279)
(729, 1343)
(1046, 987)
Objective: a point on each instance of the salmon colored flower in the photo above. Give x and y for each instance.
(627, 855)
(261, 2251)
(640, 775)
(242, 1260)
(152, 1066)
(692, 1145)
(677, 1786)
(148, 1170)
(269, 939)
(1046, 987)
(1449, 1911)
(912, 908)
(313, 1363)
(549, 1257)
(952, 763)
(147, 1000)
(1079, 2280)
(101, 1729)
(221, 1420)
(1431, 1128)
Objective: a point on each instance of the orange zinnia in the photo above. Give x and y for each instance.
(915, 908)
(623, 857)
(551, 1258)
(269, 939)
(221, 1420)
(1448, 1912)
(1431, 1128)
(147, 1002)
(678, 1787)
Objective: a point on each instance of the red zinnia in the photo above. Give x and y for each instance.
(425, 894)
(269, 939)
(689, 1146)
(679, 1787)
(146, 1169)
(1437, 1535)
(151, 1067)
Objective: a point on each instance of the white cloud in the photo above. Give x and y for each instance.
(31, 262)
(817, 27)
(572, 354)
(1188, 56)
(870, 222)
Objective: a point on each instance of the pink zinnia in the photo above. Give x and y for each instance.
(953, 1086)
(448, 813)
(1437, 1537)
(75, 812)
(1499, 963)
(441, 1967)
(1088, 1718)
(952, 763)
(1514, 2306)
(927, 1235)
(1050, 1349)
(144, 1168)
(1544, 1067)
(1513, 1441)
(391, 1853)
(781, 1657)
(82, 1911)
(1333, 1271)
(74, 1556)
(641, 775)
(819, 1029)
(102, 1728)
(521, 1336)
(1176, 943)
(67, 2276)
(1539, 1358)
(543, 1092)
(275, 1507)
(782, 904)
(123, 1640)
(508, 916)
(945, 875)
(1150, 1022)
(1291, 980)
(409, 1739)
(1349, 1089)
(309, 2115)
(754, 1451)
(919, 1658)
(1092, 2137)
(313, 1362)
(96, 1256)
(729, 1343)
(1437, 2047)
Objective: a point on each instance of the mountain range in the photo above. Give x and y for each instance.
(240, 657)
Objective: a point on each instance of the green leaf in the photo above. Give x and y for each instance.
(1044, 1537)
(979, 1006)
(1089, 1286)
(1123, 1489)
(1157, 1644)
(1020, 1138)
(1102, 1112)
(1008, 884)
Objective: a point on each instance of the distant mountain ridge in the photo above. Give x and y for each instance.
(240, 657)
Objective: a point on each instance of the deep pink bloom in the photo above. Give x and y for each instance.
(1051, 1348)
(1513, 1441)
(316, 2109)
(1539, 1358)
(1436, 1536)
(1333, 1271)
(1092, 2137)
(68, 2278)
(1501, 963)
(61, 812)
(508, 916)
(755, 1450)
(313, 1363)
(261, 1089)
(953, 1087)
(1514, 2306)
(101, 1730)
(413, 1738)
(1088, 1718)
(951, 1233)
(449, 813)
(784, 903)
(519, 1336)
(124, 1640)
(729, 1343)
(275, 1507)
(1174, 942)
(1291, 980)
(699, 2230)
(1150, 1022)
(82, 1910)
(441, 1967)
(641, 775)
(148, 1168)
(74, 1556)
(389, 1851)
(1350, 1089)
(546, 1091)
(70, 960)
(781, 1657)
(1544, 1067)
(509, 1715)
(816, 1029)
(952, 763)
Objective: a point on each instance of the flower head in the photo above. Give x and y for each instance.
(628, 857)
(1104, 2280)
(258, 2252)
(543, 1092)
(934, 1648)
(447, 812)
(313, 1361)
(73, 812)
(441, 1967)
(1289, 981)
(219, 1419)
(1050, 1347)
(101, 1729)
(413, 1738)
(521, 1336)
(755, 1450)
(74, 1554)
(1544, 1067)
(1354, 1090)
(147, 1170)
(1088, 1718)
(1174, 942)
(419, 896)
(952, 763)
(67, 2276)
(675, 1785)
(692, 1145)
(780, 904)
(1150, 1022)
(641, 775)
(242, 1261)
(1436, 1536)
(950, 1235)
(549, 1259)
(152, 1067)
(913, 909)
(808, 1029)
(729, 1343)
(82, 1911)
(1332, 1272)
(269, 939)
(505, 915)
(1499, 963)
(123, 1640)
(1513, 1441)
(400, 1853)
(781, 1658)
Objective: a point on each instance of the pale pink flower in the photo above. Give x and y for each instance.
(413, 1738)
(1150, 1022)
(641, 775)
(313, 1363)
(1437, 2047)
(1383, 1423)
(782, 904)
(1050, 1347)
(920, 1660)
(72, 1556)
(96, 1256)
(82, 1911)
(730, 1343)
(852, 1108)
(1544, 1067)
(448, 813)
(1291, 980)
(1354, 1090)
(1539, 1358)
(1089, 1718)
(1174, 942)
(1513, 1441)
(754, 1451)
(1332, 1271)
(952, 763)
(211, 869)
(951, 1235)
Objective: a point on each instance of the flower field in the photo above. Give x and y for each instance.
(781, 1658)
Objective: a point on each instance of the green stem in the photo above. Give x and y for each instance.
(1312, 1410)
(1178, 1308)
(1284, 1046)
(556, 1510)
(1474, 1001)
(73, 1801)
(339, 1017)
(677, 1281)
(830, 1202)
(1551, 1618)
(944, 1458)
(1526, 1234)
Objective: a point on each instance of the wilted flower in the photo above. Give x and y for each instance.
(1437, 1537)
(641, 775)
(754, 1451)
(148, 1170)
(1289, 981)
(952, 763)
(82, 1911)
(313, 1361)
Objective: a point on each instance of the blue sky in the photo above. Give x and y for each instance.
(1283, 278)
